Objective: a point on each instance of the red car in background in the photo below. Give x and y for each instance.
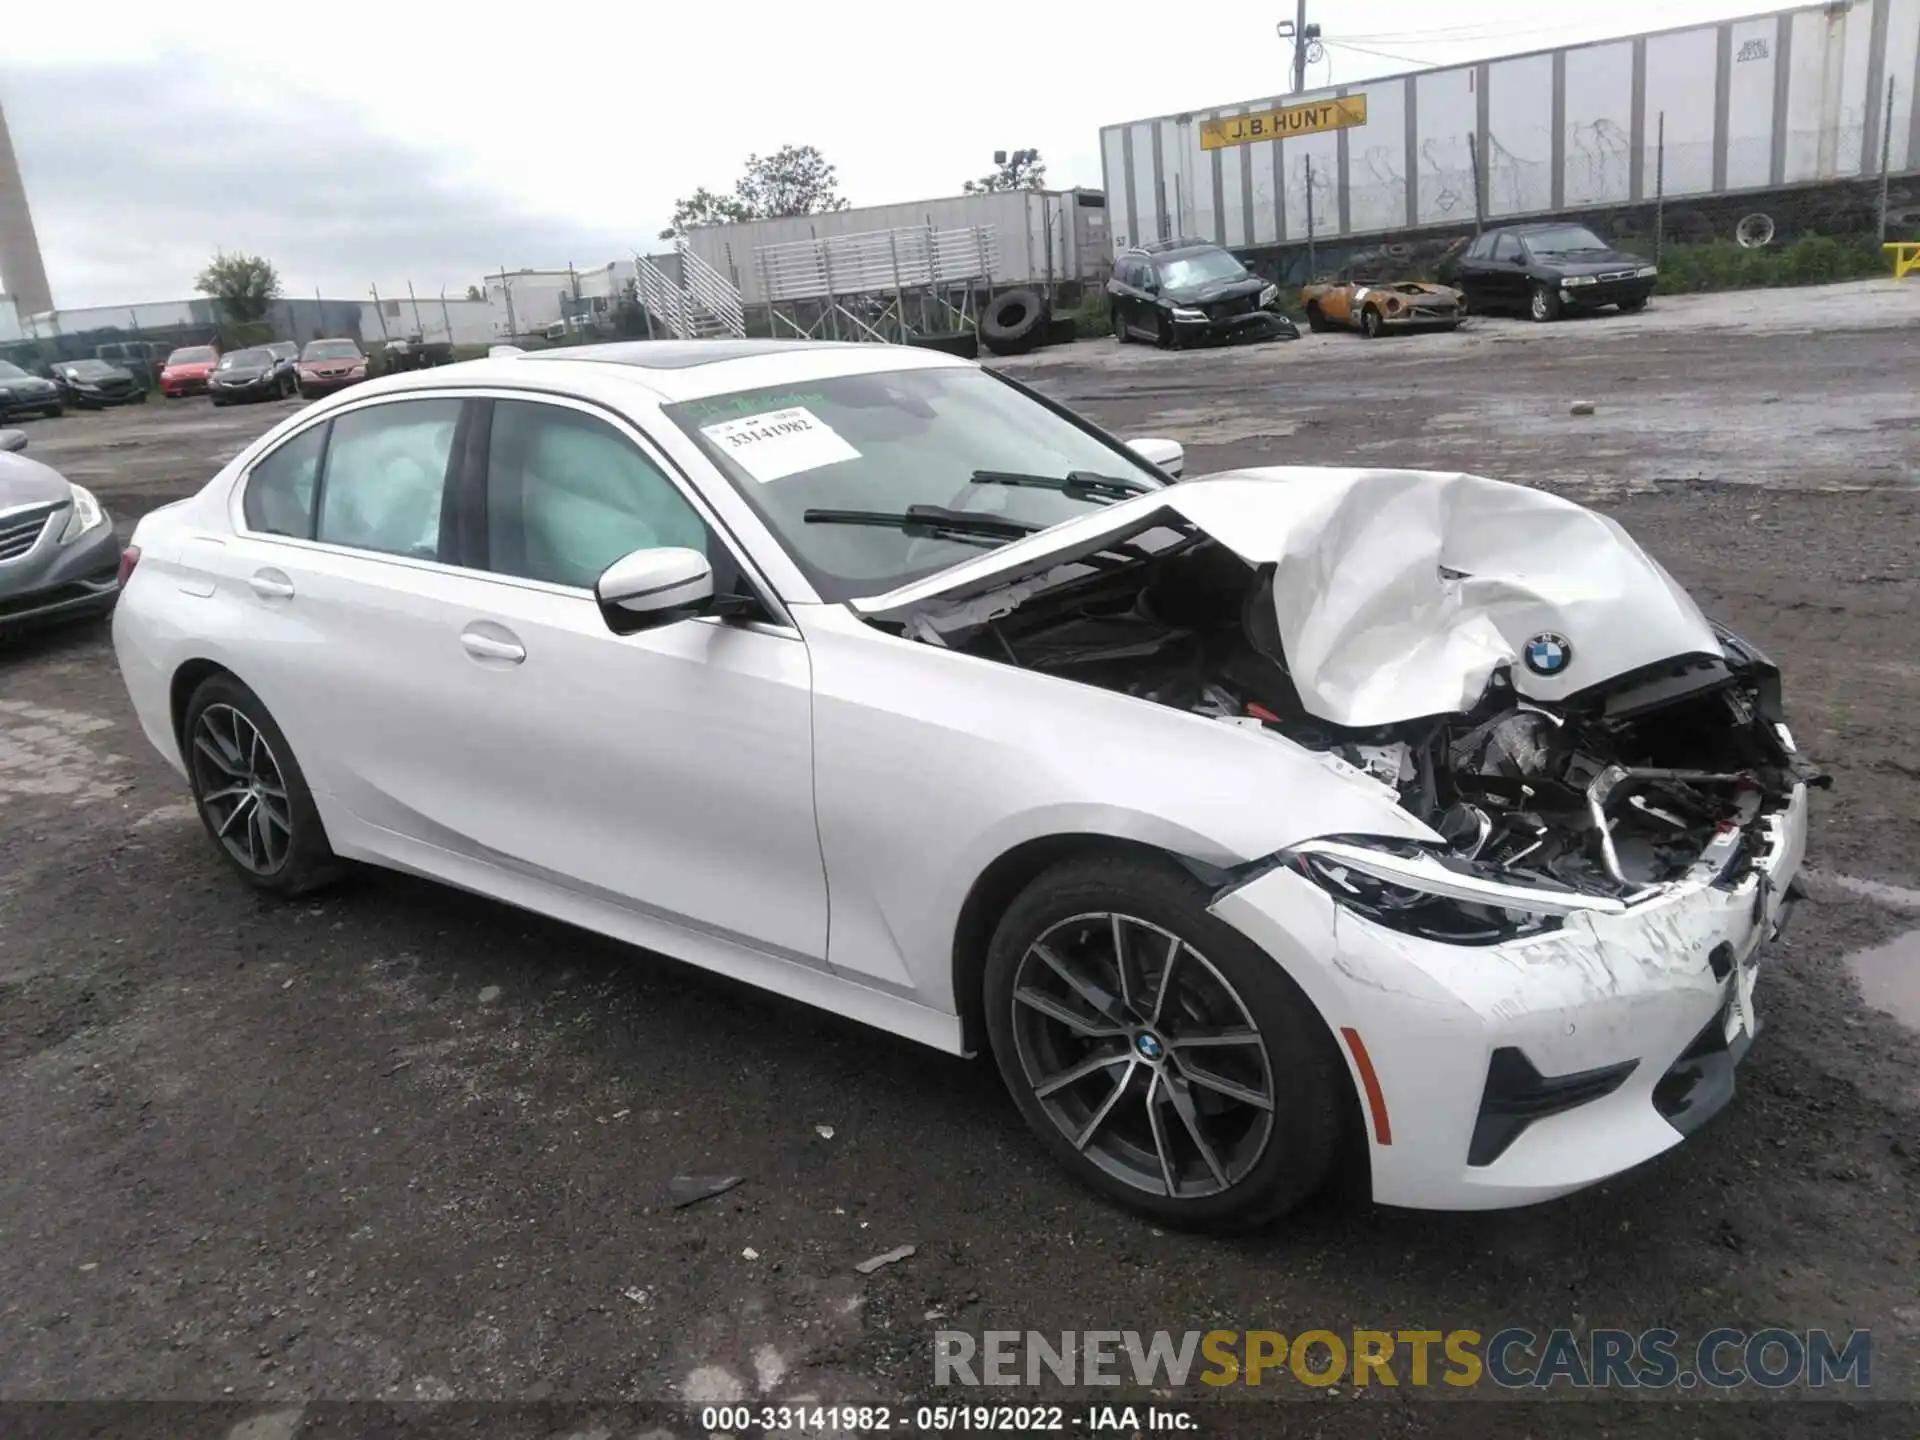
(187, 369)
(329, 365)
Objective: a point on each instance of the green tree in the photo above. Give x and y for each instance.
(794, 180)
(244, 286)
(473, 293)
(1022, 170)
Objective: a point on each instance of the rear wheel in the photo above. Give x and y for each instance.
(1160, 1055)
(250, 792)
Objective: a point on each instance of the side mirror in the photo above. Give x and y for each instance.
(650, 587)
(1169, 455)
(11, 440)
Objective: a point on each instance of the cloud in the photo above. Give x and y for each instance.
(138, 172)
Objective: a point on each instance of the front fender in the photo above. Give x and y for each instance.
(929, 765)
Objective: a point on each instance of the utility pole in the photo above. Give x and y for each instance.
(1305, 38)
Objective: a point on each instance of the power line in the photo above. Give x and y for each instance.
(1381, 54)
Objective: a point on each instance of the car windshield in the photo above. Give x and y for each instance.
(11, 371)
(192, 355)
(88, 369)
(1201, 269)
(330, 350)
(246, 360)
(882, 443)
(1563, 240)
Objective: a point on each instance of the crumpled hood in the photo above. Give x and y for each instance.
(1399, 592)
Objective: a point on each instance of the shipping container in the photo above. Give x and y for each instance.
(1764, 104)
(1040, 236)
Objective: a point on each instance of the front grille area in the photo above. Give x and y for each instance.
(21, 530)
(1226, 309)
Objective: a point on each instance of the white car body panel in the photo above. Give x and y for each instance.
(806, 805)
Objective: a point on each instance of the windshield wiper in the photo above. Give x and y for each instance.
(929, 521)
(1080, 484)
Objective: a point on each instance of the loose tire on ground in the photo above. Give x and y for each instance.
(1273, 1156)
(221, 758)
(1014, 322)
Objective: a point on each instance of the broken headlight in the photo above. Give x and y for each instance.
(1423, 891)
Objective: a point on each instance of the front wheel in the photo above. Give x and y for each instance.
(1120, 331)
(1163, 330)
(1370, 323)
(1633, 307)
(1544, 305)
(1163, 1058)
(250, 792)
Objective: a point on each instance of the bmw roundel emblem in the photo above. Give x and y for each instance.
(1548, 653)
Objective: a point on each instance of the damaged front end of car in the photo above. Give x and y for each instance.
(1316, 621)
(1591, 810)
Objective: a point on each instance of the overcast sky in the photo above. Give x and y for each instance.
(359, 144)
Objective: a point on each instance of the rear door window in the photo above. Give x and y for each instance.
(386, 475)
(281, 487)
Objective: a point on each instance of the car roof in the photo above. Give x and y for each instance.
(675, 370)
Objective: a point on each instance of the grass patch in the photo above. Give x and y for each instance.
(1687, 269)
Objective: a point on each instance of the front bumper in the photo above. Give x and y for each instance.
(175, 386)
(1637, 1019)
(54, 582)
(1610, 292)
(37, 403)
(265, 388)
(1225, 329)
(1422, 319)
(327, 384)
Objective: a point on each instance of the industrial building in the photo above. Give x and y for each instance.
(1739, 111)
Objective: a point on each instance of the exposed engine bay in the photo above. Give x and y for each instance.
(1630, 784)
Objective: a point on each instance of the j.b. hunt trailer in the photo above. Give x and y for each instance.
(1785, 112)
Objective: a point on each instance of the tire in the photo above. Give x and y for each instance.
(1120, 331)
(1317, 322)
(1014, 322)
(230, 740)
(141, 398)
(54, 412)
(1370, 322)
(1632, 307)
(216, 401)
(304, 393)
(1163, 335)
(1122, 1137)
(1544, 304)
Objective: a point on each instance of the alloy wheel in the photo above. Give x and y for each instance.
(241, 789)
(1143, 1055)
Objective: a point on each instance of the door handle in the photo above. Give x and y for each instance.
(271, 585)
(486, 647)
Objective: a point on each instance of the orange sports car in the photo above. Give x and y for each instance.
(1376, 307)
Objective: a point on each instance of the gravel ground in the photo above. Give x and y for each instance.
(400, 1143)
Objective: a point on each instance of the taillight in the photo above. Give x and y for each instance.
(129, 558)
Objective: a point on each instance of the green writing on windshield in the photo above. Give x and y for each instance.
(726, 406)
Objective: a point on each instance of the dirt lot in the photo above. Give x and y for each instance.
(403, 1143)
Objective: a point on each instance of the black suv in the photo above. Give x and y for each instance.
(1174, 292)
(1543, 270)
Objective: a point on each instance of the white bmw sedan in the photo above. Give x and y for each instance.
(1243, 818)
